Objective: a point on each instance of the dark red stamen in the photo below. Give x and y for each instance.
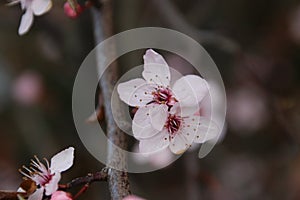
(164, 96)
(173, 124)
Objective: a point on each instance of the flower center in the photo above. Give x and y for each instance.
(173, 124)
(38, 172)
(164, 96)
(43, 178)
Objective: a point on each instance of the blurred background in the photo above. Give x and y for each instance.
(255, 44)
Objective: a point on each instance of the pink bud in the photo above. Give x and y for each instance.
(61, 195)
(73, 13)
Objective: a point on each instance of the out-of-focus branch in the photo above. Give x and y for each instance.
(117, 180)
(5, 195)
(175, 20)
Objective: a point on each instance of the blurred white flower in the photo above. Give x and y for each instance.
(27, 88)
(246, 110)
(165, 117)
(47, 176)
(61, 195)
(176, 129)
(32, 8)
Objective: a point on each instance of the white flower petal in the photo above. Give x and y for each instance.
(40, 7)
(52, 186)
(158, 116)
(184, 111)
(156, 70)
(26, 22)
(21, 190)
(185, 136)
(136, 92)
(63, 160)
(207, 130)
(190, 90)
(189, 129)
(179, 144)
(155, 143)
(25, 4)
(37, 195)
(141, 124)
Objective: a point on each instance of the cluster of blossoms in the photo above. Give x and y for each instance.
(167, 116)
(44, 177)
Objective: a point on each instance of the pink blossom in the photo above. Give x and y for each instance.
(31, 8)
(47, 176)
(165, 117)
(61, 195)
(176, 129)
(133, 197)
(27, 88)
(247, 110)
(155, 87)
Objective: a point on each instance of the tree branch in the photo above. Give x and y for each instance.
(6, 195)
(118, 180)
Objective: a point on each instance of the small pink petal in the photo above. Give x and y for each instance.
(61, 195)
(156, 70)
(133, 197)
(63, 160)
(155, 143)
(52, 186)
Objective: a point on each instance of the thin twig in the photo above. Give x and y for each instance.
(90, 178)
(81, 191)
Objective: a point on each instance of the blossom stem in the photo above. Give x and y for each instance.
(81, 191)
(90, 178)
